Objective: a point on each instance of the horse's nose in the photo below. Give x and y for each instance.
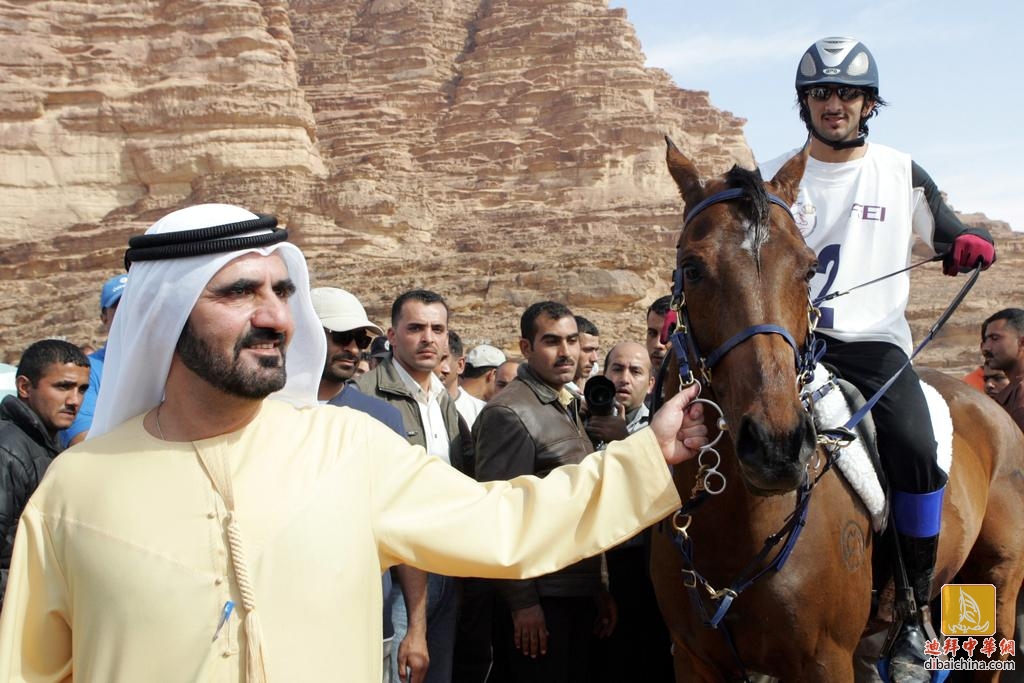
(773, 461)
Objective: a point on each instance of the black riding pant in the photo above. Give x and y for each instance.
(906, 443)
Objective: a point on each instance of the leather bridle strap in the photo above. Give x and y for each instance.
(726, 196)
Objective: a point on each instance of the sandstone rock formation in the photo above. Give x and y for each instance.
(498, 151)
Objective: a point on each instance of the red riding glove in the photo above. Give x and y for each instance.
(966, 252)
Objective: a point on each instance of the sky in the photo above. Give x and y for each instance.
(951, 72)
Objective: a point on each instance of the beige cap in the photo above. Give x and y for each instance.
(340, 311)
(485, 356)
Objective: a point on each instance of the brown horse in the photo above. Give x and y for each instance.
(744, 263)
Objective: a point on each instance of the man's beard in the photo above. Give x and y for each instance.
(332, 375)
(227, 374)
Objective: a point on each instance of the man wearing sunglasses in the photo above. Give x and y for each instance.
(859, 208)
(349, 333)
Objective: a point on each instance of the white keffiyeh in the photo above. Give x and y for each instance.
(159, 298)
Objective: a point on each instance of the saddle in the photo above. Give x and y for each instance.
(858, 461)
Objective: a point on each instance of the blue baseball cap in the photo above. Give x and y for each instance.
(111, 293)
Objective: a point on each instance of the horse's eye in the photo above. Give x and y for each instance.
(811, 272)
(691, 273)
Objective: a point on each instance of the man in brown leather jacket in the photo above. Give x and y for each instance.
(532, 427)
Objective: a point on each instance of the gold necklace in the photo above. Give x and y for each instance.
(158, 429)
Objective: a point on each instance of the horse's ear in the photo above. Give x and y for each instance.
(787, 181)
(685, 174)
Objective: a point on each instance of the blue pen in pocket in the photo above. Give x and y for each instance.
(224, 616)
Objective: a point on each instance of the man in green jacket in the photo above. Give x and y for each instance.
(419, 337)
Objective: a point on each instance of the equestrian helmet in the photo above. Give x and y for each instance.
(838, 61)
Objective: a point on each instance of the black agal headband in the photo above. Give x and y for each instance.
(213, 240)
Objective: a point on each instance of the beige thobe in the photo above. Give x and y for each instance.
(121, 569)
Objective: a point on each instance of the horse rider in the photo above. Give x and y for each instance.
(859, 207)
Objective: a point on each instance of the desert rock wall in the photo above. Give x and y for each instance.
(497, 151)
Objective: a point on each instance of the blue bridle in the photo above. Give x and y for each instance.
(683, 343)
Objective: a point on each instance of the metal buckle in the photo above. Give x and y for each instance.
(678, 525)
(813, 316)
(718, 595)
(836, 437)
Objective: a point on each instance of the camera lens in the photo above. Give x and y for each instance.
(599, 393)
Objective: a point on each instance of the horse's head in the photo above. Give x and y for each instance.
(742, 277)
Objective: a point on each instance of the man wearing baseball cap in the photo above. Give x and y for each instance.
(349, 333)
(379, 350)
(110, 297)
(479, 377)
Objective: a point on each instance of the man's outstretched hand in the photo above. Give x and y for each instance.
(679, 426)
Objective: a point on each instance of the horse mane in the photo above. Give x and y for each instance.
(758, 209)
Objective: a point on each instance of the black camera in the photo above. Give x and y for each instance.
(599, 393)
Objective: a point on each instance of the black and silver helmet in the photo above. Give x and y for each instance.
(838, 61)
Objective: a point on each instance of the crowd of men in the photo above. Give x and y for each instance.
(489, 415)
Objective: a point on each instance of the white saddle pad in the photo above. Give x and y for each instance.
(832, 410)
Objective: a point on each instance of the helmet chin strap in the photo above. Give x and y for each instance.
(844, 144)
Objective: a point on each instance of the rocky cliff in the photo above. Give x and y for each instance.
(498, 152)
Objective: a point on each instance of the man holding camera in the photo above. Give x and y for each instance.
(628, 371)
(639, 649)
(532, 427)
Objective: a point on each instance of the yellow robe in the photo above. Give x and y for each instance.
(121, 568)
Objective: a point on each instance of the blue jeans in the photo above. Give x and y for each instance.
(442, 611)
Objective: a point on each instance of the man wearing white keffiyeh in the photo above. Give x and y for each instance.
(204, 533)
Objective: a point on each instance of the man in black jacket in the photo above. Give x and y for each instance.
(51, 380)
(532, 427)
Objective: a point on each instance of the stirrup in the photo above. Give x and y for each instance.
(922, 620)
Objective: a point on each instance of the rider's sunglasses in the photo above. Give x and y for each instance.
(361, 338)
(822, 93)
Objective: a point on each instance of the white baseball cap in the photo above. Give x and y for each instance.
(340, 311)
(485, 356)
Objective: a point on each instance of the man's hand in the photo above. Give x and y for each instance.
(413, 656)
(607, 614)
(967, 251)
(412, 651)
(679, 426)
(608, 428)
(531, 633)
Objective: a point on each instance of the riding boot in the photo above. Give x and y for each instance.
(917, 519)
